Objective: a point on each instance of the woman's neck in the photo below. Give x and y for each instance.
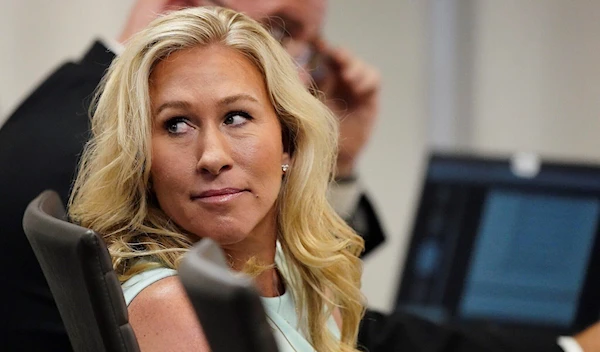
(255, 256)
(262, 269)
(270, 283)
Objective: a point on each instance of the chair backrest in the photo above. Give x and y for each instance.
(228, 306)
(78, 269)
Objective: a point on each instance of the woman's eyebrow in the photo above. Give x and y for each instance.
(237, 97)
(180, 104)
(172, 104)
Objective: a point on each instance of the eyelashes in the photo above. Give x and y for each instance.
(177, 125)
(180, 124)
(230, 118)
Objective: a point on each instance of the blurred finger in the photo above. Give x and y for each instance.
(368, 83)
(340, 58)
(336, 57)
(361, 78)
(353, 72)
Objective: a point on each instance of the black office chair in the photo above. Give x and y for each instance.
(228, 306)
(79, 272)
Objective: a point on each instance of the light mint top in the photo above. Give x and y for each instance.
(281, 315)
(138, 282)
(281, 311)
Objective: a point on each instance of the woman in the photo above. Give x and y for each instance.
(203, 129)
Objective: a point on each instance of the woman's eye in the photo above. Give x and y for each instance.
(177, 126)
(236, 118)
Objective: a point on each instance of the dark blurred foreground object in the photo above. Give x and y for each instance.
(228, 306)
(401, 332)
(76, 263)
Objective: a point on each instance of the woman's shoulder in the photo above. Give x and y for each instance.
(163, 318)
(138, 282)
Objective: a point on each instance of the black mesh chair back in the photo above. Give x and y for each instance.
(77, 266)
(228, 306)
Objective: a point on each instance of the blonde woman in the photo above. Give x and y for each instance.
(203, 129)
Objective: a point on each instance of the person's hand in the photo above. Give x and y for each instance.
(144, 11)
(589, 339)
(351, 88)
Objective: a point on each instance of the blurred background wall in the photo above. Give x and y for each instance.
(536, 77)
(483, 76)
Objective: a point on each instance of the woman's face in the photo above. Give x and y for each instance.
(217, 146)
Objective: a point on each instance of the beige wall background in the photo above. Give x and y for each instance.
(536, 77)
(532, 83)
(392, 35)
(38, 35)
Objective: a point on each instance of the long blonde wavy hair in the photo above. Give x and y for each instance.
(112, 193)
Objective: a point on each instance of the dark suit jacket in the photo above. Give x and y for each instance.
(39, 149)
(403, 332)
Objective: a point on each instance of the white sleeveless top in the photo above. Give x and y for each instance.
(280, 311)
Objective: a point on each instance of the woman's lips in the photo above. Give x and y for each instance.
(222, 195)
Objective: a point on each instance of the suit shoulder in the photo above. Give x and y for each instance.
(70, 85)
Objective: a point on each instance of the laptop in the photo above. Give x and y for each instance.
(506, 242)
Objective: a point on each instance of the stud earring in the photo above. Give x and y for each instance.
(285, 167)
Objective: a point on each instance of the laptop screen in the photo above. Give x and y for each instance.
(490, 245)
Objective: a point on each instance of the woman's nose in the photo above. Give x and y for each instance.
(215, 153)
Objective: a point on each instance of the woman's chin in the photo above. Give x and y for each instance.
(227, 237)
